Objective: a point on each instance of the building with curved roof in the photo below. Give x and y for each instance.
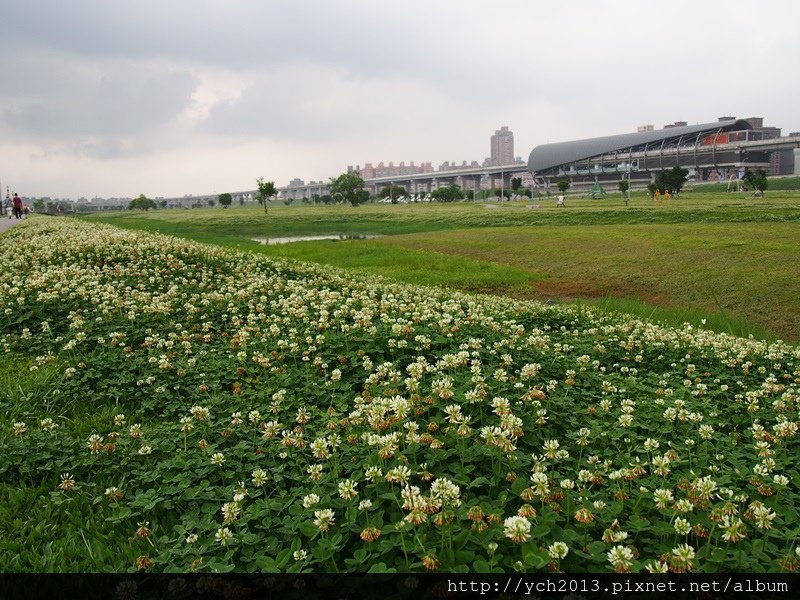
(710, 148)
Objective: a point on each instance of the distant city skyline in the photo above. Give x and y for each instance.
(501, 148)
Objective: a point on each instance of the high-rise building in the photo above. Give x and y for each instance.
(502, 147)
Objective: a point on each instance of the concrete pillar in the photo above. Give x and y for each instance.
(796, 161)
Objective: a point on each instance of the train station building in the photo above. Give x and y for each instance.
(715, 151)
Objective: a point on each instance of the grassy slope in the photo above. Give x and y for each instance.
(726, 257)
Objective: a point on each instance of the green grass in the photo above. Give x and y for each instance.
(420, 267)
(775, 184)
(730, 259)
(249, 222)
(745, 271)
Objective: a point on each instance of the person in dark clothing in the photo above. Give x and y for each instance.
(17, 202)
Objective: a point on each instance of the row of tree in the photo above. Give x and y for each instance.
(671, 181)
(349, 188)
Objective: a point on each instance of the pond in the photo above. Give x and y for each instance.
(313, 238)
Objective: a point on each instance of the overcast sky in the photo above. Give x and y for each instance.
(169, 97)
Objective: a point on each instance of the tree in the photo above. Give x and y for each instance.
(266, 191)
(516, 183)
(449, 193)
(225, 200)
(756, 180)
(563, 185)
(671, 181)
(141, 203)
(394, 192)
(349, 187)
(211, 202)
(624, 186)
(38, 205)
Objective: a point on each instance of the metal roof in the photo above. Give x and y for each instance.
(548, 156)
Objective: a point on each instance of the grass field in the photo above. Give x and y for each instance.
(730, 260)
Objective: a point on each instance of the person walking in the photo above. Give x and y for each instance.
(560, 201)
(17, 201)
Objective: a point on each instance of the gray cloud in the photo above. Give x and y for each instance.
(107, 100)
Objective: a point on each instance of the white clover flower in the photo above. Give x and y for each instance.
(682, 526)
(230, 512)
(558, 550)
(324, 518)
(621, 557)
(48, 425)
(259, 477)
(683, 555)
(223, 536)
(517, 528)
(662, 497)
(781, 480)
(310, 500)
(373, 474)
(657, 566)
(650, 444)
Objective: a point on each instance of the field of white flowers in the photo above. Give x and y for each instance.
(181, 407)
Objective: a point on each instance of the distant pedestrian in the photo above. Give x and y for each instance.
(17, 201)
(560, 201)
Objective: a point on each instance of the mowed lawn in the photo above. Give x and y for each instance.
(727, 258)
(747, 270)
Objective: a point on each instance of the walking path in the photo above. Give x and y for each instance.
(6, 223)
